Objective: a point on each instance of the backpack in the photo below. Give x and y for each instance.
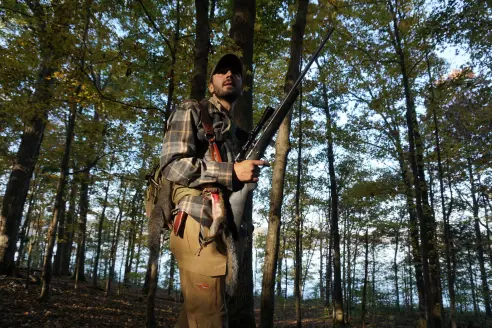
(159, 206)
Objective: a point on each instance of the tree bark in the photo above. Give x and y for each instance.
(172, 270)
(395, 267)
(154, 243)
(282, 148)
(130, 251)
(139, 250)
(27, 155)
(58, 208)
(174, 51)
(31, 246)
(424, 212)
(202, 42)
(413, 228)
(70, 232)
(337, 297)
(321, 258)
(366, 272)
(27, 223)
(85, 178)
(114, 243)
(61, 217)
(445, 213)
(279, 266)
(102, 217)
(472, 281)
(329, 266)
(298, 215)
(241, 305)
(478, 242)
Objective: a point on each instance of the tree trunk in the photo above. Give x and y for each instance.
(174, 52)
(286, 276)
(130, 251)
(31, 246)
(424, 212)
(139, 249)
(329, 266)
(154, 243)
(85, 178)
(27, 223)
(58, 208)
(446, 214)
(364, 288)
(279, 266)
(145, 287)
(338, 316)
(395, 267)
(413, 229)
(100, 227)
(114, 243)
(241, 304)
(472, 281)
(70, 232)
(478, 242)
(298, 215)
(27, 155)
(321, 258)
(282, 148)
(202, 42)
(61, 217)
(244, 317)
(347, 266)
(172, 269)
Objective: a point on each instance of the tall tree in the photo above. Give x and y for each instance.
(50, 25)
(298, 220)
(338, 316)
(241, 305)
(202, 42)
(102, 218)
(282, 148)
(58, 208)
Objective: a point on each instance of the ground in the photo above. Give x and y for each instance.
(85, 307)
(125, 307)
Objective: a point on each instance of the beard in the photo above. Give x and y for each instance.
(230, 94)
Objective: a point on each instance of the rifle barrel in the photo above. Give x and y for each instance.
(259, 147)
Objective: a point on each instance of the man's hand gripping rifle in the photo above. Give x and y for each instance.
(268, 125)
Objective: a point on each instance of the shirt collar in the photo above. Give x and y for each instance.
(217, 106)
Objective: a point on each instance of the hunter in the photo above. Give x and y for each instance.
(198, 158)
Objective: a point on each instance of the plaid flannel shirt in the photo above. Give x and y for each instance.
(186, 159)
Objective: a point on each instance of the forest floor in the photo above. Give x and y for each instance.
(87, 307)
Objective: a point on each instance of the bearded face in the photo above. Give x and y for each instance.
(226, 84)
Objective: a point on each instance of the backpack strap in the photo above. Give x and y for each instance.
(209, 130)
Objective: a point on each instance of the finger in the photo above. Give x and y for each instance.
(259, 162)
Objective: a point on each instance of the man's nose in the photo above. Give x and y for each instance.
(228, 73)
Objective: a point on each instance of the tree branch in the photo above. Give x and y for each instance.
(16, 11)
(154, 25)
(108, 98)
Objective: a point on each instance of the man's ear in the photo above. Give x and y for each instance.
(211, 88)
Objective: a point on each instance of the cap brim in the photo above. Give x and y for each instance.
(229, 60)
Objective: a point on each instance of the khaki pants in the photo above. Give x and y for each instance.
(202, 276)
(204, 301)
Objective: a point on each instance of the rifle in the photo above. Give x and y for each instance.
(268, 125)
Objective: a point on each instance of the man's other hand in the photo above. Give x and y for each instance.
(248, 170)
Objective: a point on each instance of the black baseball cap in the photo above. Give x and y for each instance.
(228, 60)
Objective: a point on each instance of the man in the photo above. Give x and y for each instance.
(201, 165)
